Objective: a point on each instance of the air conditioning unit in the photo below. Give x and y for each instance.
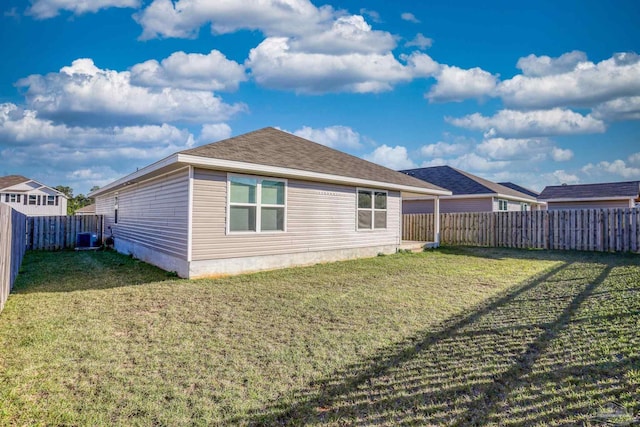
(86, 240)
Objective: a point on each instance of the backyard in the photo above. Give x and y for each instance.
(455, 336)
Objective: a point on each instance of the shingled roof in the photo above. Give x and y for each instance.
(463, 183)
(277, 153)
(630, 189)
(11, 180)
(273, 147)
(520, 188)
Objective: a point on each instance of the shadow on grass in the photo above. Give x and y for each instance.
(69, 271)
(552, 350)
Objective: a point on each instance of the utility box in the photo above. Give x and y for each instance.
(86, 240)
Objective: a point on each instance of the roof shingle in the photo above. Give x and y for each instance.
(629, 189)
(462, 183)
(11, 180)
(273, 147)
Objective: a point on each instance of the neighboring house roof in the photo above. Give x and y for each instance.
(6, 182)
(519, 188)
(463, 183)
(11, 180)
(278, 153)
(606, 190)
(86, 210)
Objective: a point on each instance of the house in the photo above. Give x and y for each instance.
(31, 197)
(86, 210)
(584, 196)
(470, 193)
(266, 199)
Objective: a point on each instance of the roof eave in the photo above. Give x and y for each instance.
(586, 199)
(243, 167)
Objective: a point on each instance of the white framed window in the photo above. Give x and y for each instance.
(372, 209)
(14, 198)
(524, 207)
(33, 200)
(256, 204)
(503, 205)
(51, 200)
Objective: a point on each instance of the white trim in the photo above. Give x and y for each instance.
(480, 196)
(258, 204)
(373, 209)
(252, 168)
(190, 216)
(258, 169)
(588, 199)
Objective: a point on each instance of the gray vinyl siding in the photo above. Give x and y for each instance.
(319, 217)
(153, 214)
(595, 204)
(480, 204)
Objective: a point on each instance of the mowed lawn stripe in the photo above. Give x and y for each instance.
(454, 336)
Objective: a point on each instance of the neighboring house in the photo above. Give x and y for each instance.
(585, 196)
(519, 188)
(470, 193)
(31, 197)
(86, 210)
(266, 199)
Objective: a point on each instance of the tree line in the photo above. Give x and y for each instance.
(75, 202)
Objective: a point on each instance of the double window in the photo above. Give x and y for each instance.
(256, 204)
(503, 205)
(372, 209)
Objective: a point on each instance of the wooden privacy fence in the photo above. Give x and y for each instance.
(603, 230)
(52, 233)
(12, 248)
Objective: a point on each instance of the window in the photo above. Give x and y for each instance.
(503, 205)
(51, 200)
(372, 209)
(115, 209)
(14, 198)
(524, 207)
(33, 199)
(256, 204)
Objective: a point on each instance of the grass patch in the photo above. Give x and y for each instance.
(454, 336)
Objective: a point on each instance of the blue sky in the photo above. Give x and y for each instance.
(538, 94)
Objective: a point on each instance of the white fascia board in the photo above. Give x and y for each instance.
(480, 196)
(167, 161)
(253, 168)
(587, 199)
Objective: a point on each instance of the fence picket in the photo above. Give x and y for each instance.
(602, 230)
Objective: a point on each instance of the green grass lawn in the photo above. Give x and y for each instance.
(457, 336)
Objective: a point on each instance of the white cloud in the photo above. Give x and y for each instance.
(409, 17)
(474, 163)
(39, 147)
(213, 132)
(558, 177)
(561, 155)
(443, 149)
(625, 108)
(372, 14)
(347, 34)
(535, 66)
(395, 158)
(538, 123)
(617, 168)
(275, 65)
(457, 84)
(43, 9)
(420, 41)
(164, 18)
(212, 72)
(83, 93)
(332, 136)
(586, 84)
(634, 159)
(531, 149)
